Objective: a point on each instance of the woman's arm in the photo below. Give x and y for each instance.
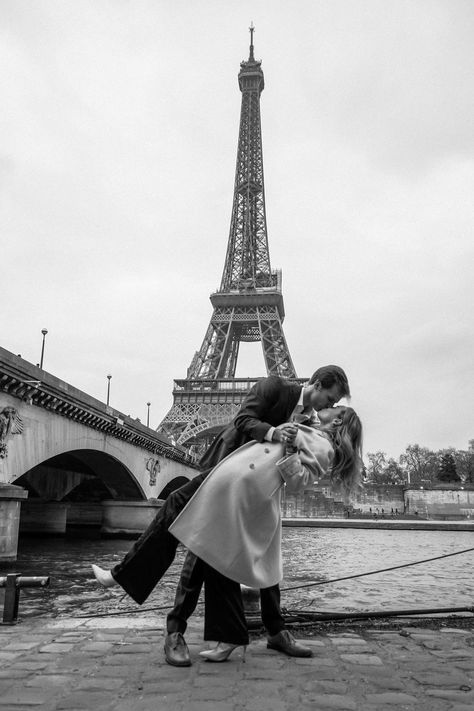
(311, 460)
(295, 474)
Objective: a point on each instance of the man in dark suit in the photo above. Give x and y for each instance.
(270, 404)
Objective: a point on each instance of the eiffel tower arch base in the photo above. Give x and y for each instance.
(201, 408)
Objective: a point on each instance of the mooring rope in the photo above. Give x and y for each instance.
(374, 572)
(294, 587)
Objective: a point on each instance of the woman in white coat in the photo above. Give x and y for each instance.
(241, 542)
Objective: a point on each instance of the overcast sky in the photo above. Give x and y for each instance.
(118, 139)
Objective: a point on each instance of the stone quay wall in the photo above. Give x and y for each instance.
(374, 497)
(442, 502)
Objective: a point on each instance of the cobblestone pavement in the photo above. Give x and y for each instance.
(118, 663)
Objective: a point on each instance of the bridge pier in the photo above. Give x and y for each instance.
(44, 517)
(127, 518)
(84, 514)
(11, 497)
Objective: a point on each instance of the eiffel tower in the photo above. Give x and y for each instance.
(249, 303)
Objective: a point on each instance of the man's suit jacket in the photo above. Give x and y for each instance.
(269, 403)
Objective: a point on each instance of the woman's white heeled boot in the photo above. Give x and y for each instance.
(221, 652)
(104, 577)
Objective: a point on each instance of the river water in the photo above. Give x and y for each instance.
(310, 555)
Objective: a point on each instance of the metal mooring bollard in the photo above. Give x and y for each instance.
(13, 582)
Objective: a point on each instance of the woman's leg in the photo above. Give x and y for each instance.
(152, 554)
(224, 619)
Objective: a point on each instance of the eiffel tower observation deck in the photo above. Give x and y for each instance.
(249, 303)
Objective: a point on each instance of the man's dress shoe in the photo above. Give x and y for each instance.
(286, 643)
(176, 650)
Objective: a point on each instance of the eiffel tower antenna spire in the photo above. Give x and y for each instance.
(248, 305)
(251, 30)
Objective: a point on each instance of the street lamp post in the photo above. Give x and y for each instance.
(108, 388)
(148, 414)
(44, 331)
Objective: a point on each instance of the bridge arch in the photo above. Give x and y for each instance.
(61, 475)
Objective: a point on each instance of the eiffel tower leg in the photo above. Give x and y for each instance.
(275, 350)
(211, 359)
(230, 357)
(217, 357)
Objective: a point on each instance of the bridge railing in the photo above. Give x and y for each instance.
(29, 383)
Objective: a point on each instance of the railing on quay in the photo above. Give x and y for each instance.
(12, 583)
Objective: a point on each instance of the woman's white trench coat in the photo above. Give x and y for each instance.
(233, 521)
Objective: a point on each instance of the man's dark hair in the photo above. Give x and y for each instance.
(330, 375)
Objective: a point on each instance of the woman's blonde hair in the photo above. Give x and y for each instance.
(347, 441)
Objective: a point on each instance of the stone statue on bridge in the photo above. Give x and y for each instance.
(10, 424)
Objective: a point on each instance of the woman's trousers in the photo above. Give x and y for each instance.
(224, 617)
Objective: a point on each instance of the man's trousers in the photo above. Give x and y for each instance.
(152, 554)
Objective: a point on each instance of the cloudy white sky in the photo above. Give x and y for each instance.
(118, 137)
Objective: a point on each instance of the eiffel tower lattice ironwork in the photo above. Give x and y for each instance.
(249, 303)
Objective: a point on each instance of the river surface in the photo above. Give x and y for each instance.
(310, 555)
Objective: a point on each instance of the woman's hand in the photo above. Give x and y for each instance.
(286, 433)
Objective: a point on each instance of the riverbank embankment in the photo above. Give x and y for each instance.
(396, 524)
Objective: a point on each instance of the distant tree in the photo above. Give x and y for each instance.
(447, 468)
(377, 464)
(442, 453)
(464, 460)
(382, 470)
(394, 472)
(419, 463)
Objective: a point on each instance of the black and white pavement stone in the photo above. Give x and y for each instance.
(118, 663)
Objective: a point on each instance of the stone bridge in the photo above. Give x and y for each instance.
(70, 453)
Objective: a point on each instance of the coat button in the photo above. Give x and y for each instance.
(252, 466)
